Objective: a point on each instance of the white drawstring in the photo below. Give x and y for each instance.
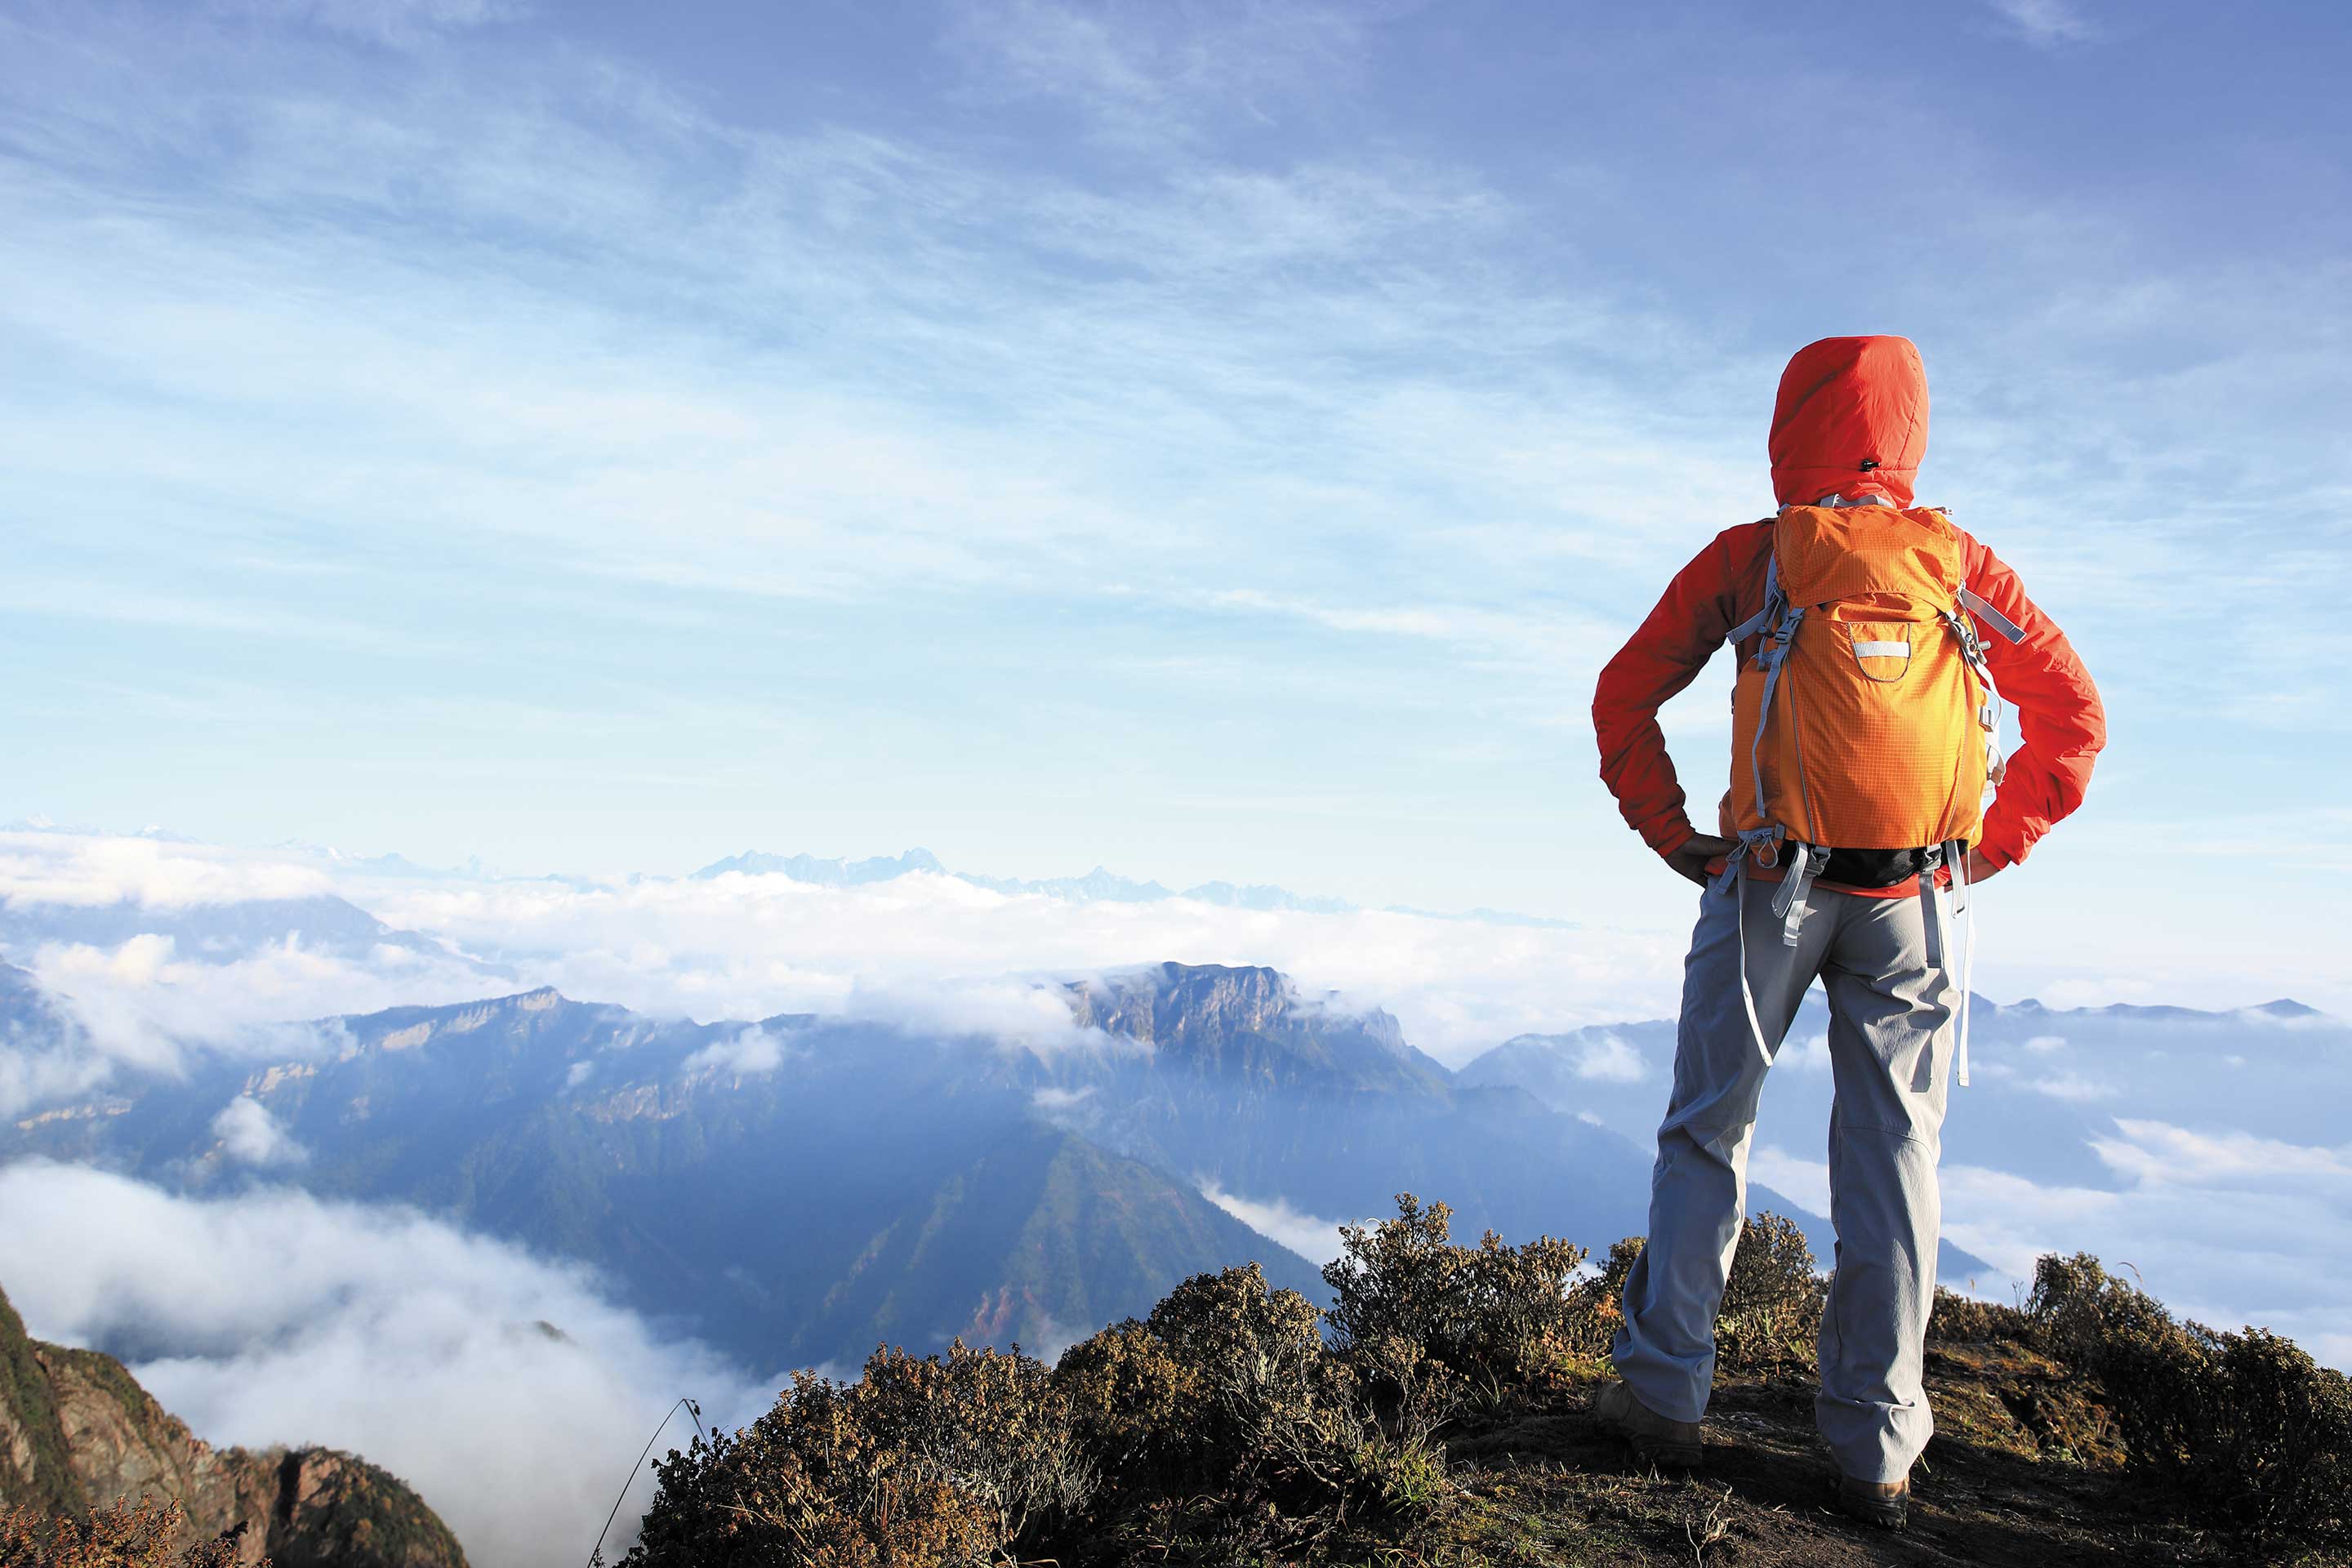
(1967, 959)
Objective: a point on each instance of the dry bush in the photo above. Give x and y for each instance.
(122, 1536)
(1965, 1321)
(2156, 1374)
(933, 1460)
(1267, 1394)
(2246, 1424)
(1131, 1403)
(1227, 1389)
(1771, 1308)
(1488, 1312)
(1598, 1303)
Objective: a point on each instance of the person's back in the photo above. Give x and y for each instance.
(1867, 639)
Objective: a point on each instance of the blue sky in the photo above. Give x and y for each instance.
(1213, 440)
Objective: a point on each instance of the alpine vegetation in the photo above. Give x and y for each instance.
(1437, 1412)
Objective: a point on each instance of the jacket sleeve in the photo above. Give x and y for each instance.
(1662, 658)
(2059, 715)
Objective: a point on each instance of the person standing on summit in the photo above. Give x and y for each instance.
(1871, 636)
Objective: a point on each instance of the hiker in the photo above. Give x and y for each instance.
(1865, 733)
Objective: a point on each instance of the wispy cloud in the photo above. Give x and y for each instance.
(1143, 75)
(748, 1053)
(1611, 1059)
(2073, 1087)
(1313, 1238)
(382, 21)
(2045, 24)
(251, 1136)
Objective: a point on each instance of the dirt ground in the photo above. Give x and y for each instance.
(2023, 1473)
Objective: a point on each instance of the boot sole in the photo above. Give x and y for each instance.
(1667, 1456)
(1880, 1515)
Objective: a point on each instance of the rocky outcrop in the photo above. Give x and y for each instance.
(1249, 1025)
(77, 1432)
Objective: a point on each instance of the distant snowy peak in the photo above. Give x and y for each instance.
(392, 863)
(40, 822)
(1260, 896)
(835, 872)
(1101, 885)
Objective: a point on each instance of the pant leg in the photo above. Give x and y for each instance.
(1699, 1188)
(1890, 1048)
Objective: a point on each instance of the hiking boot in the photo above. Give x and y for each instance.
(1654, 1439)
(1883, 1503)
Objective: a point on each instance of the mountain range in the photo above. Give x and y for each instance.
(797, 1189)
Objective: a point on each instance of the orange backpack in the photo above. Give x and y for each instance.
(1867, 720)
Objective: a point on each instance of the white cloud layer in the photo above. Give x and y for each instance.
(87, 869)
(507, 1389)
(2225, 1227)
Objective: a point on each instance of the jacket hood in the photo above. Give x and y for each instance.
(1852, 415)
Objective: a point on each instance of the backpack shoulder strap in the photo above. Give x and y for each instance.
(1775, 602)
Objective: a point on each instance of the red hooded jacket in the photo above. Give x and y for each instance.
(1851, 419)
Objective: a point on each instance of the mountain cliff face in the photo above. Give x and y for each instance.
(77, 1432)
(1248, 1027)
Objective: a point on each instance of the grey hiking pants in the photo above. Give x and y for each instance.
(1889, 1052)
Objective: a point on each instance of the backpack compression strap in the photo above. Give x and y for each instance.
(1778, 620)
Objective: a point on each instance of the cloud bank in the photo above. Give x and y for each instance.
(506, 1388)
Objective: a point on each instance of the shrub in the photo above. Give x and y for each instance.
(1771, 1306)
(1963, 1319)
(1598, 1302)
(1490, 1311)
(2156, 1374)
(1227, 1390)
(2246, 1424)
(948, 1460)
(122, 1536)
(1266, 1393)
(1132, 1404)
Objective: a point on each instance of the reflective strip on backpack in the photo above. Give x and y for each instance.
(1985, 612)
(1881, 650)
